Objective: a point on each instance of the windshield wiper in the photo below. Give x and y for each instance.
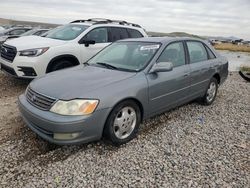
(86, 64)
(107, 65)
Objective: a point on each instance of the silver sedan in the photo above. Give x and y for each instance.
(127, 82)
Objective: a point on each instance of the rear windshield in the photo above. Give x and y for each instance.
(67, 32)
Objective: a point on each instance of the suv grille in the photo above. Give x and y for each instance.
(8, 52)
(38, 100)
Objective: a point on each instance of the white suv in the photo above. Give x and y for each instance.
(65, 46)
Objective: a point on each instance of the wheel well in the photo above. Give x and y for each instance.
(70, 58)
(217, 77)
(132, 99)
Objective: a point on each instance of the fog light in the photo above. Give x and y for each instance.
(65, 136)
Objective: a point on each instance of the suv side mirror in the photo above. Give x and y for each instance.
(87, 42)
(162, 67)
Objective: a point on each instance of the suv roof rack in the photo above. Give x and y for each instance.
(106, 21)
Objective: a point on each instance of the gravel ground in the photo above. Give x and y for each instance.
(191, 146)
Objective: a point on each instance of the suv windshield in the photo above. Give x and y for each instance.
(67, 32)
(127, 56)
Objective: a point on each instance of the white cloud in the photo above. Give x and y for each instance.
(202, 17)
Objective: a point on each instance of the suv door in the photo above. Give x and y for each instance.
(100, 36)
(200, 64)
(168, 89)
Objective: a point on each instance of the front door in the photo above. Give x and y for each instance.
(100, 36)
(168, 89)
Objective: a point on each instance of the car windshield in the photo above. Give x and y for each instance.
(67, 32)
(2, 33)
(30, 32)
(126, 56)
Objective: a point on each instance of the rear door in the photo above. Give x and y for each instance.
(169, 89)
(201, 66)
(117, 33)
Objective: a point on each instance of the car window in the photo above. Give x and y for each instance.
(173, 53)
(99, 35)
(17, 32)
(197, 52)
(210, 53)
(38, 33)
(30, 32)
(118, 34)
(134, 33)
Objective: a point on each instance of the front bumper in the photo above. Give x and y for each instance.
(24, 67)
(45, 124)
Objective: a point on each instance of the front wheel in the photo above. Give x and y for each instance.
(123, 123)
(211, 92)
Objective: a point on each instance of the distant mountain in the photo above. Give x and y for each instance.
(231, 38)
(4, 21)
(183, 34)
(173, 34)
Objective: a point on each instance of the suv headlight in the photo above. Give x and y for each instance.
(75, 107)
(33, 52)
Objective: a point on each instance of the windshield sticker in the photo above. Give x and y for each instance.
(76, 28)
(150, 47)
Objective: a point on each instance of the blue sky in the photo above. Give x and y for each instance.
(202, 17)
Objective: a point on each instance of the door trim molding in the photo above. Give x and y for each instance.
(170, 93)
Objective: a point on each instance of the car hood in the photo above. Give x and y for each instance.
(77, 82)
(30, 42)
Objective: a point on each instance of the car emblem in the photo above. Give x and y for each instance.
(33, 98)
(6, 50)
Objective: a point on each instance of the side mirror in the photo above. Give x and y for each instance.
(87, 42)
(162, 67)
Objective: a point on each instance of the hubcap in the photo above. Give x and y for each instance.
(211, 92)
(125, 122)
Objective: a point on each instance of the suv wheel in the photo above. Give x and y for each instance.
(211, 92)
(61, 64)
(123, 123)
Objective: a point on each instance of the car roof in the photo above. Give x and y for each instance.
(160, 39)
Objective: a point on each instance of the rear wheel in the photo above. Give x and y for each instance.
(123, 123)
(61, 64)
(211, 92)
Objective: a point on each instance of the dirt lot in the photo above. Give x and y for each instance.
(192, 146)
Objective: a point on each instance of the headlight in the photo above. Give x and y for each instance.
(33, 52)
(75, 107)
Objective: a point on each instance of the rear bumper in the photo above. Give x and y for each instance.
(224, 73)
(45, 124)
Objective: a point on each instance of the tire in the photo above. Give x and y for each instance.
(245, 76)
(123, 123)
(61, 64)
(211, 92)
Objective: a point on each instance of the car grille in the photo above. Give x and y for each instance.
(38, 100)
(8, 52)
